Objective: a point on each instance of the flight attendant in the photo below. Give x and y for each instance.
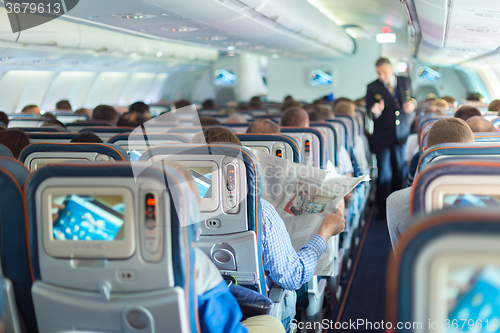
(390, 105)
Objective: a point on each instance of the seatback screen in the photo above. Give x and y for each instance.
(203, 178)
(470, 200)
(88, 218)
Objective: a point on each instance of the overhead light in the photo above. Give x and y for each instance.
(355, 31)
(179, 29)
(275, 56)
(165, 14)
(5, 58)
(402, 67)
(134, 16)
(386, 38)
(39, 61)
(231, 48)
(159, 54)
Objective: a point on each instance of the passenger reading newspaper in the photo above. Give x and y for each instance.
(302, 195)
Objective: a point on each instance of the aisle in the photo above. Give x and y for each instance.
(364, 296)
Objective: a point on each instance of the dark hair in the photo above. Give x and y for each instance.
(256, 103)
(63, 105)
(140, 107)
(131, 119)
(182, 103)
(14, 139)
(494, 105)
(289, 104)
(243, 107)
(4, 118)
(263, 125)
(208, 121)
(474, 97)
(341, 100)
(104, 112)
(55, 123)
(294, 117)
(479, 124)
(466, 111)
(27, 108)
(382, 61)
(209, 104)
(216, 135)
(87, 137)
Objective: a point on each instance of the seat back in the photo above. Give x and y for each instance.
(461, 149)
(18, 304)
(40, 154)
(312, 145)
(4, 151)
(490, 116)
(428, 119)
(496, 122)
(445, 271)
(349, 127)
(487, 137)
(67, 117)
(240, 128)
(135, 144)
(341, 130)
(51, 137)
(113, 245)
(229, 185)
(77, 126)
(333, 143)
(106, 132)
(456, 181)
(279, 145)
(26, 120)
(42, 129)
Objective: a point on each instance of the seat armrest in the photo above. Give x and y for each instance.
(251, 302)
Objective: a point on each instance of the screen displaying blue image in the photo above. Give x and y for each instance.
(224, 77)
(320, 78)
(88, 218)
(203, 179)
(134, 155)
(470, 200)
(427, 74)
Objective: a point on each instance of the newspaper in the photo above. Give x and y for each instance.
(302, 195)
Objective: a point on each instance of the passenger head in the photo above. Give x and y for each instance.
(4, 118)
(141, 108)
(451, 101)
(287, 98)
(63, 105)
(208, 121)
(264, 126)
(449, 130)
(295, 117)
(441, 103)
(480, 125)
(476, 97)
(227, 111)
(216, 135)
(83, 112)
(235, 119)
(466, 111)
(256, 103)
(105, 112)
(434, 110)
(494, 106)
(131, 119)
(243, 107)
(209, 104)
(319, 112)
(181, 104)
(53, 123)
(289, 104)
(86, 137)
(360, 102)
(341, 100)
(431, 97)
(384, 70)
(31, 109)
(14, 139)
(345, 109)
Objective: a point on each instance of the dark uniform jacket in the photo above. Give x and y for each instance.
(393, 125)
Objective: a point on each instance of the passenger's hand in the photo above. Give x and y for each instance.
(333, 224)
(378, 108)
(408, 107)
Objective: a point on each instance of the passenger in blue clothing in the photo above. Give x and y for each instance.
(285, 266)
(218, 310)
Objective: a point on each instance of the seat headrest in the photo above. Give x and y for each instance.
(51, 136)
(106, 129)
(459, 168)
(51, 129)
(457, 149)
(317, 133)
(4, 151)
(116, 152)
(153, 137)
(90, 123)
